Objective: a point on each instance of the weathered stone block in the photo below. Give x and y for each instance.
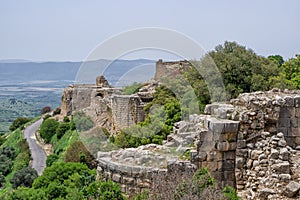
(239, 162)
(265, 192)
(229, 175)
(295, 132)
(291, 189)
(284, 122)
(241, 144)
(128, 180)
(228, 165)
(297, 112)
(231, 126)
(116, 178)
(297, 101)
(284, 113)
(242, 152)
(283, 130)
(289, 101)
(281, 168)
(217, 126)
(294, 122)
(229, 155)
(214, 156)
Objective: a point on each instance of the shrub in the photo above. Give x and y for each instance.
(2, 180)
(77, 152)
(62, 129)
(57, 111)
(51, 159)
(66, 119)
(105, 190)
(24, 177)
(48, 129)
(19, 122)
(46, 117)
(82, 122)
(230, 193)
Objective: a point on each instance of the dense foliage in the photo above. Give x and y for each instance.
(67, 181)
(48, 129)
(24, 177)
(18, 123)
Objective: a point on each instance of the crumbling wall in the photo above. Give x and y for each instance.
(127, 110)
(170, 69)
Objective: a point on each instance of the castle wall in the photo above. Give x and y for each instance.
(127, 110)
(170, 69)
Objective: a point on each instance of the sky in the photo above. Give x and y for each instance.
(70, 30)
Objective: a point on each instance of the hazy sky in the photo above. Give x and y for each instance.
(56, 30)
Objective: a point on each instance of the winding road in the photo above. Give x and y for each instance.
(37, 153)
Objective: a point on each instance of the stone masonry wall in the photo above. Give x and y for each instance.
(170, 69)
(133, 170)
(127, 110)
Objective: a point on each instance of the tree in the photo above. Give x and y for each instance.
(62, 129)
(48, 129)
(239, 66)
(24, 177)
(45, 110)
(60, 179)
(291, 71)
(77, 152)
(19, 122)
(105, 190)
(277, 59)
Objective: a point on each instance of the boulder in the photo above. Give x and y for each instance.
(291, 189)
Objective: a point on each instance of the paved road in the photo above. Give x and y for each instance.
(37, 153)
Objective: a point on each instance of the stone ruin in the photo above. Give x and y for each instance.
(106, 105)
(251, 143)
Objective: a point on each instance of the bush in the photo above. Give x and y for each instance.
(105, 190)
(66, 119)
(48, 129)
(46, 117)
(2, 180)
(51, 159)
(45, 110)
(19, 122)
(62, 129)
(77, 152)
(57, 111)
(82, 122)
(24, 177)
(230, 193)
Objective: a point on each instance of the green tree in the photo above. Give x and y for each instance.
(19, 122)
(277, 59)
(238, 66)
(291, 71)
(62, 129)
(105, 190)
(48, 129)
(24, 177)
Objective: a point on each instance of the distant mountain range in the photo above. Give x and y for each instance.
(39, 84)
